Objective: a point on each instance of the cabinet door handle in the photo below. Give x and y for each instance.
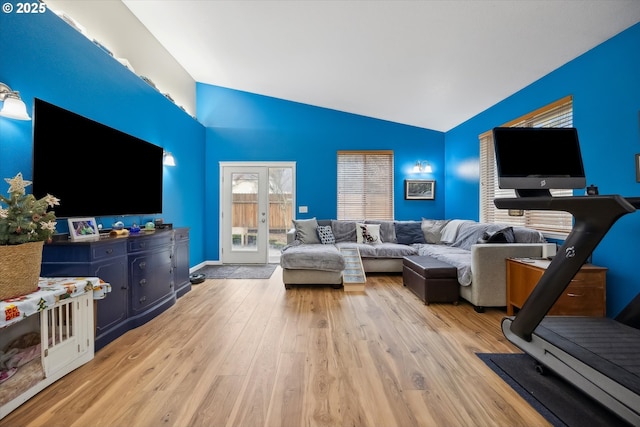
(143, 282)
(142, 265)
(143, 299)
(574, 295)
(109, 251)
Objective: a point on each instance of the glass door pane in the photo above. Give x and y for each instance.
(280, 209)
(244, 211)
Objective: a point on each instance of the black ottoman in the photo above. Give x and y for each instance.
(430, 279)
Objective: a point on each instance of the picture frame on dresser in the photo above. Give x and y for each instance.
(419, 189)
(82, 229)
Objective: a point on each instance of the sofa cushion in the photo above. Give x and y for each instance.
(344, 231)
(368, 233)
(409, 232)
(432, 229)
(387, 229)
(501, 236)
(381, 250)
(326, 235)
(306, 230)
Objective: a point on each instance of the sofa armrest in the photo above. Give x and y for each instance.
(488, 267)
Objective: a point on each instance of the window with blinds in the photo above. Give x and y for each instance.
(365, 185)
(556, 114)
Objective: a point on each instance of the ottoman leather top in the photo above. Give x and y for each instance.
(429, 267)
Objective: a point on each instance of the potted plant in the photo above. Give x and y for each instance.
(25, 224)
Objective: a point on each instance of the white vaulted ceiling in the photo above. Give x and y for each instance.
(431, 64)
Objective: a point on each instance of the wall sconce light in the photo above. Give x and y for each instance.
(14, 107)
(168, 159)
(422, 167)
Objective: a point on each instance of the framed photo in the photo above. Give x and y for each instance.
(83, 229)
(419, 189)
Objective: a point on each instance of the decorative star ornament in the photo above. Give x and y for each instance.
(17, 184)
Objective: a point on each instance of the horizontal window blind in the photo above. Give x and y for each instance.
(556, 114)
(365, 184)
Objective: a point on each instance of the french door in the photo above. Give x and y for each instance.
(256, 208)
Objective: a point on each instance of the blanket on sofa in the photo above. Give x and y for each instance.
(463, 235)
(312, 257)
(458, 257)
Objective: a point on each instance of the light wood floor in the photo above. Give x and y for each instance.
(249, 353)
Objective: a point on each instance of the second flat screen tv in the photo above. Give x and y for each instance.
(538, 158)
(93, 169)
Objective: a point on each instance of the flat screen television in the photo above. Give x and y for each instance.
(534, 160)
(93, 169)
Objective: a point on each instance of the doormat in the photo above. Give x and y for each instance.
(559, 402)
(238, 271)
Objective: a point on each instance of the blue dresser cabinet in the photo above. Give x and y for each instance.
(142, 269)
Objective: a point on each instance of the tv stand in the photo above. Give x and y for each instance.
(600, 356)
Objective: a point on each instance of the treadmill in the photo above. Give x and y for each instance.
(600, 356)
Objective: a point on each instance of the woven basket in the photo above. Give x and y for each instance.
(19, 269)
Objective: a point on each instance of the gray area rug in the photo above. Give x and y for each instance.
(558, 401)
(238, 271)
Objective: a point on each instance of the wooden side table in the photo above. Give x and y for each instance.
(585, 295)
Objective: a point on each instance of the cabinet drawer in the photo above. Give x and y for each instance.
(81, 252)
(149, 242)
(108, 250)
(589, 279)
(581, 301)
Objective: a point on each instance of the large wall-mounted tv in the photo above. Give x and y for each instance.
(538, 158)
(93, 169)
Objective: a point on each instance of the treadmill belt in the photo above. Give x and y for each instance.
(610, 347)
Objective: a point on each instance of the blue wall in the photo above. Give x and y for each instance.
(249, 127)
(43, 57)
(605, 85)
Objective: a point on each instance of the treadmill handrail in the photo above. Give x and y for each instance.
(594, 216)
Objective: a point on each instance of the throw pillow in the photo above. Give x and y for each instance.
(368, 233)
(306, 230)
(344, 231)
(387, 229)
(409, 232)
(432, 229)
(326, 235)
(501, 236)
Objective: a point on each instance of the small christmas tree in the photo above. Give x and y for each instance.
(25, 219)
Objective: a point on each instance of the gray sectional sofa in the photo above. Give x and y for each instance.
(477, 250)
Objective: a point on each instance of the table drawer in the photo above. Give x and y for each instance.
(583, 300)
